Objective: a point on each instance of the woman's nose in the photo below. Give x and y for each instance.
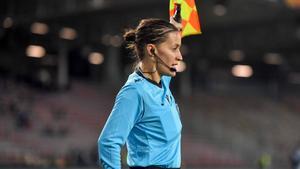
(179, 57)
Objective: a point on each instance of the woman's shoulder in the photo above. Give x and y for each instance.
(133, 82)
(134, 79)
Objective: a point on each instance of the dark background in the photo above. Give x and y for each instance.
(53, 108)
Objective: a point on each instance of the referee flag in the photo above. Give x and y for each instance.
(189, 16)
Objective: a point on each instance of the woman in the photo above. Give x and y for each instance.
(145, 114)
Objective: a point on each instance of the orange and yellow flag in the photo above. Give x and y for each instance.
(293, 3)
(189, 16)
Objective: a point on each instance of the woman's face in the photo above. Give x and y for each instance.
(169, 54)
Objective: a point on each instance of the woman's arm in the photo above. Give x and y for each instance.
(124, 115)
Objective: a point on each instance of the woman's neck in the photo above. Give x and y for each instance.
(150, 71)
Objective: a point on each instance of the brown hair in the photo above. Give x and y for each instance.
(148, 31)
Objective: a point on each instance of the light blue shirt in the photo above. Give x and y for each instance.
(146, 117)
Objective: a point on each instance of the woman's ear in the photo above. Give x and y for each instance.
(150, 50)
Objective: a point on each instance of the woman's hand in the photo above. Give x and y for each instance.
(176, 24)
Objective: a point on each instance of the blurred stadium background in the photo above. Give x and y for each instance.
(63, 61)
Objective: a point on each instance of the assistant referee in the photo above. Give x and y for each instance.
(145, 115)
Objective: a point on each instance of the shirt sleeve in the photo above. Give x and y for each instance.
(124, 115)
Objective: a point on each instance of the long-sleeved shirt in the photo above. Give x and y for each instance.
(146, 117)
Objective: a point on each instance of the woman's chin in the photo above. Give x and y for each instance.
(169, 73)
(172, 74)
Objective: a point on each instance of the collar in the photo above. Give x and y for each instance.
(139, 72)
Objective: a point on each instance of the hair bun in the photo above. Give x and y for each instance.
(129, 36)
